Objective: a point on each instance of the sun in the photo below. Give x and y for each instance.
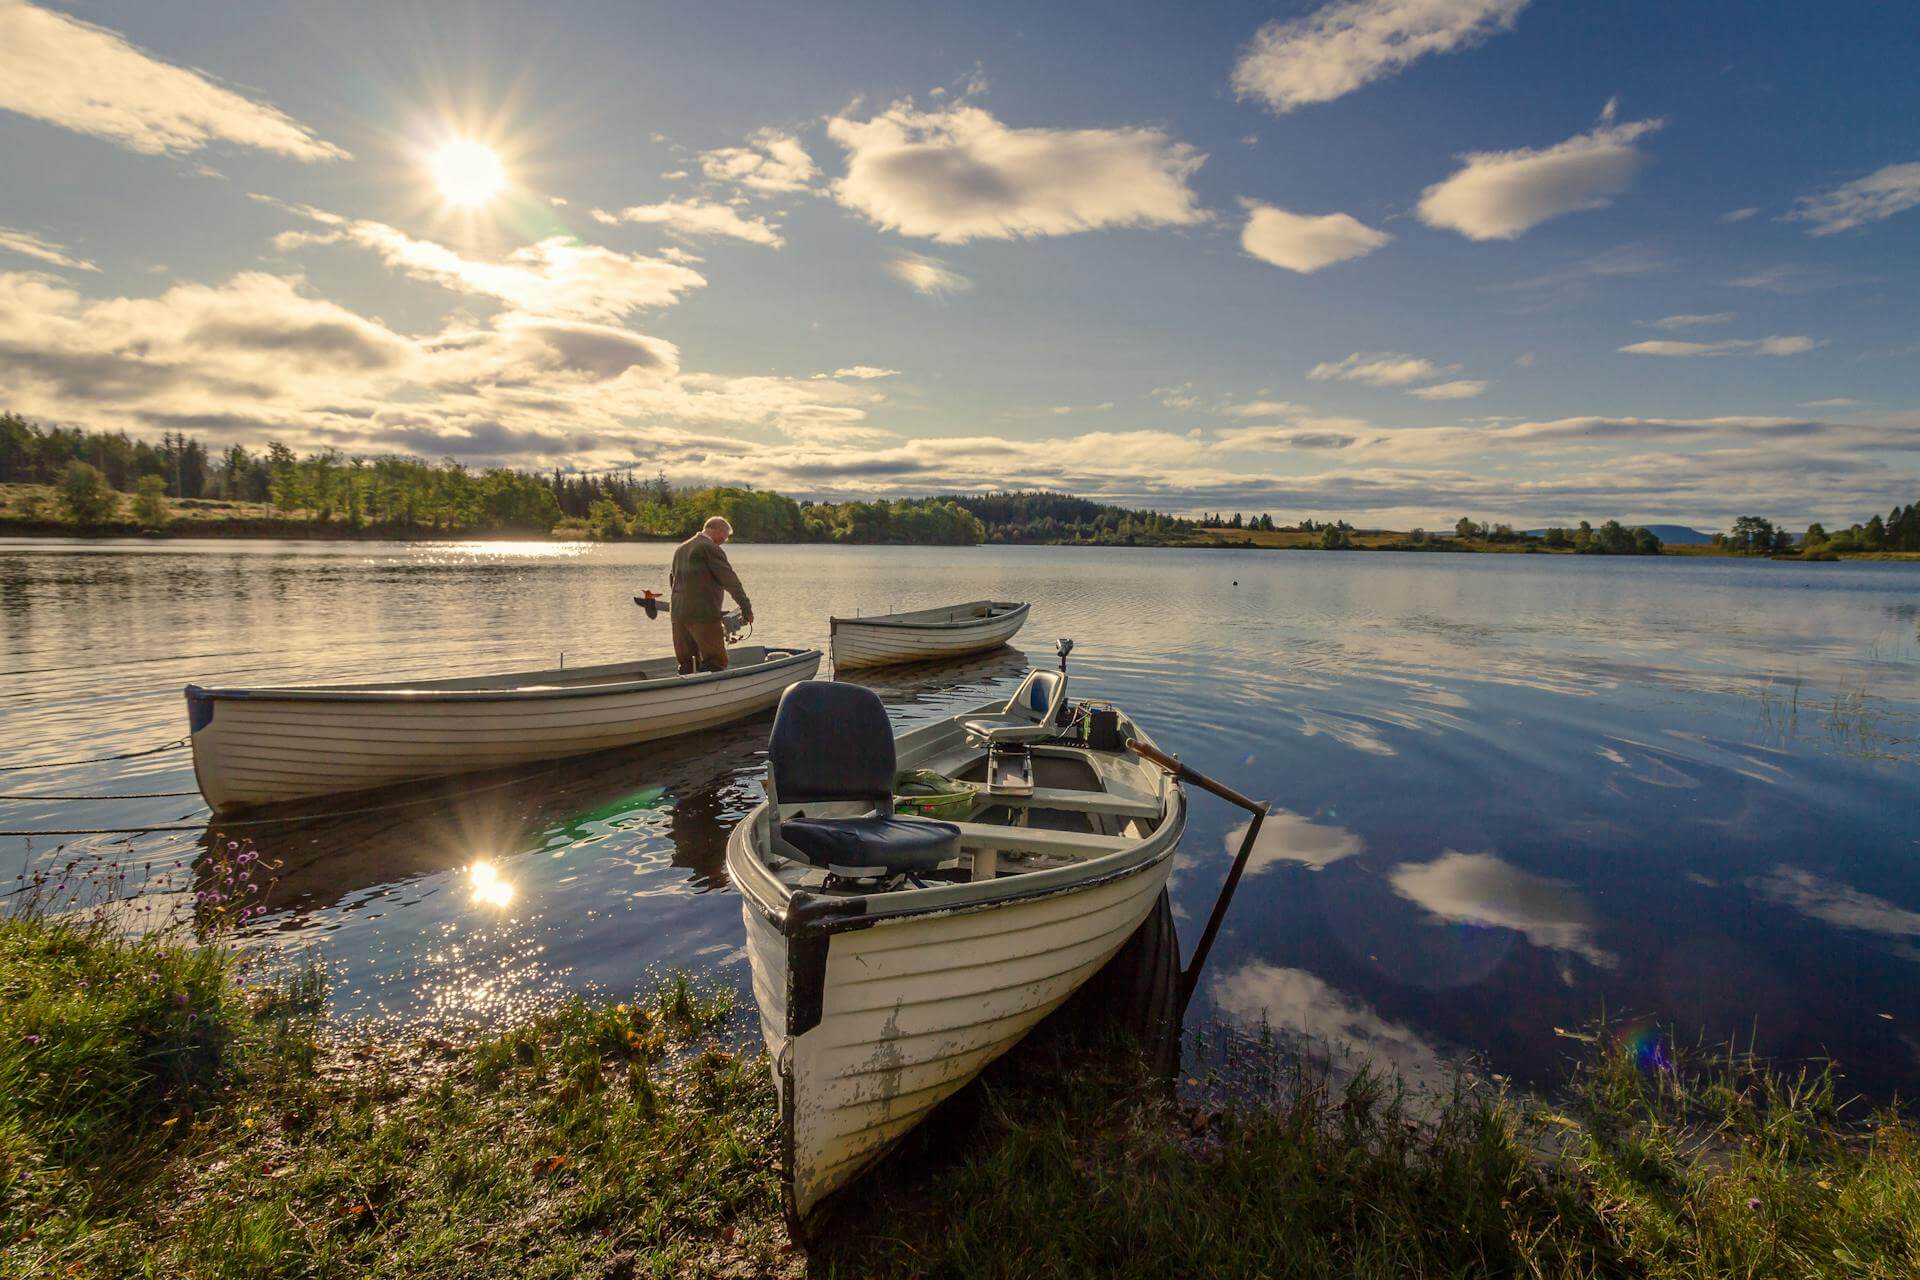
(468, 173)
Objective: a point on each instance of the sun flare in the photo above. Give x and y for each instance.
(468, 173)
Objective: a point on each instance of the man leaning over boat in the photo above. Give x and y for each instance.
(701, 575)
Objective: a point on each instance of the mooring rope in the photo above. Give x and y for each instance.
(292, 817)
(125, 795)
(127, 755)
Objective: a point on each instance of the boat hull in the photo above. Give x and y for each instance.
(273, 746)
(874, 1009)
(912, 1010)
(877, 642)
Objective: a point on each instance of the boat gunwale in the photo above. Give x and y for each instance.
(900, 621)
(406, 696)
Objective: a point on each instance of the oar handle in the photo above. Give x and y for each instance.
(1147, 751)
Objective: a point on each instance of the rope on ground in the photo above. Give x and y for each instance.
(291, 817)
(125, 755)
(125, 795)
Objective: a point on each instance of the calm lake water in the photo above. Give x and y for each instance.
(1516, 791)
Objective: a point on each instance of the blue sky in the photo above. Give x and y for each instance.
(1393, 260)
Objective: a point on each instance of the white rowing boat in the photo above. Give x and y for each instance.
(924, 635)
(265, 746)
(894, 958)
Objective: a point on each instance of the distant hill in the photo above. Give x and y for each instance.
(1679, 535)
(1676, 535)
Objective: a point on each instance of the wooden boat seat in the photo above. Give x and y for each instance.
(988, 835)
(1084, 802)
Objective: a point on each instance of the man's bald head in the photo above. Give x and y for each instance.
(717, 528)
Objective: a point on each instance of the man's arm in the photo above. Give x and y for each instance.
(722, 570)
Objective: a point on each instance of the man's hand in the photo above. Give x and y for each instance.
(746, 616)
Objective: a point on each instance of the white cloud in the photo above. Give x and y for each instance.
(1304, 242)
(27, 244)
(1838, 402)
(1788, 346)
(1738, 215)
(927, 275)
(959, 174)
(1881, 194)
(1376, 368)
(1262, 409)
(702, 218)
(1350, 43)
(88, 79)
(864, 372)
(1500, 195)
(1689, 321)
(1480, 888)
(1464, 389)
(558, 276)
(772, 163)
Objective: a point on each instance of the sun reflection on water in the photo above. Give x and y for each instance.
(486, 887)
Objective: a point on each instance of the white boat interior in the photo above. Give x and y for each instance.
(1047, 803)
(605, 677)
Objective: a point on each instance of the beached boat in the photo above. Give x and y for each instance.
(895, 957)
(924, 635)
(265, 746)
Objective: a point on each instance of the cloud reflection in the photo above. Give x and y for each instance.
(1479, 888)
(1295, 1001)
(1837, 904)
(1288, 837)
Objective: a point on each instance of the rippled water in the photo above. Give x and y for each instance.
(1516, 791)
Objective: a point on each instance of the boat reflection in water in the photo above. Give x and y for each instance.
(481, 824)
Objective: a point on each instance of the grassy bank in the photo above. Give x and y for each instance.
(159, 1118)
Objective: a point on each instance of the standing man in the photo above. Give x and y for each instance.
(700, 574)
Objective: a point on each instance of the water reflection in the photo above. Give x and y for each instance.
(1683, 789)
(1478, 889)
(1288, 837)
(1313, 1017)
(486, 887)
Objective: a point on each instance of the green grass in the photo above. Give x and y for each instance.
(223, 1134)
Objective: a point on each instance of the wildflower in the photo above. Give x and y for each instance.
(1754, 1204)
(181, 999)
(231, 844)
(33, 1039)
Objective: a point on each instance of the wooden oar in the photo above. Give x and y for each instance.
(1258, 808)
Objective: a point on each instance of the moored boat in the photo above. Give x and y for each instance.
(268, 745)
(924, 635)
(895, 957)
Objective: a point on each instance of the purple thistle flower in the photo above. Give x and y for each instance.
(1754, 1204)
(33, 1039)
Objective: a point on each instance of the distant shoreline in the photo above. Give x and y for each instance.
(1206, 539)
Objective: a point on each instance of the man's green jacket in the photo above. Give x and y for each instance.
(700, 574)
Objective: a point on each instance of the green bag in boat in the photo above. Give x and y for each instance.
(932, 795)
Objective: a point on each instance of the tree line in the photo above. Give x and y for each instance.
(403, 496)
